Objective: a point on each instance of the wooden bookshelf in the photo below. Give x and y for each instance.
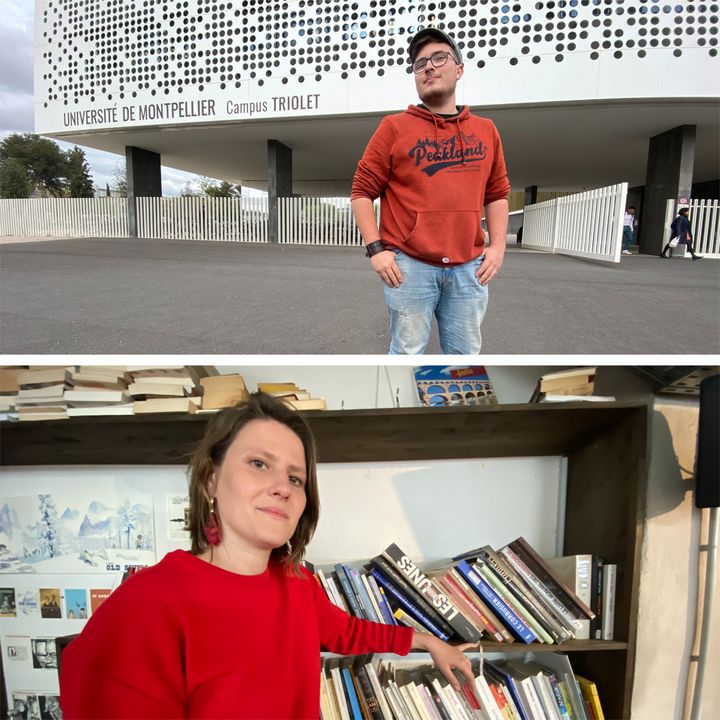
(605, 444)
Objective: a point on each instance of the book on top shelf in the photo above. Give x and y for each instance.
(575, 382)
(51, 376)
(442, 385)
(221, 391)
(167, 405)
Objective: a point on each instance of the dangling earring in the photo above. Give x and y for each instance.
(288, 545)
(211, 528)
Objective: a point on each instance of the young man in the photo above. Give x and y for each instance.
(435, 167)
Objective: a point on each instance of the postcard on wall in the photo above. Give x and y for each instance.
(50, 603)
(27, 602)
(17, 648)
(97, 598)
(7, 603)
(44, 654)
(442, 385)
(102, 530)
(76, 604)
(178, 508)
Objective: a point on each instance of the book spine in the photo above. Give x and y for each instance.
(556, 586)
(390, 571)
(514, 623)
(353, 701)
(340, 694)
(562, 707)
(347, 589)
(470, 610)
(409, 620)
(533, 701)
(340, 601)
(440, 603)
(496, 628)
(379, 692)
(409, 607)
(608, 609)
(368, 701)
(517, 586)
(565, 693)
(550, 601)
(362, 593)
(489, 704)
(442, 711)
(596, 633)
(380, 600)
(520, 610)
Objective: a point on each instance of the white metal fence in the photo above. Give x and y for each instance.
(64, 217)
(203, 218)
(704, 219)
(587, 224)
(318, 221)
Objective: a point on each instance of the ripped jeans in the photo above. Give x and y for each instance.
(452, 294)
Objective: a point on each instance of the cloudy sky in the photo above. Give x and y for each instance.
(16, 95)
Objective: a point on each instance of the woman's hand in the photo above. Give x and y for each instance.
(447, 657)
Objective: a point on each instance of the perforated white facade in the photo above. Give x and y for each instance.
(107, 63)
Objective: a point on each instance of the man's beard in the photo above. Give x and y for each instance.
(436, 95)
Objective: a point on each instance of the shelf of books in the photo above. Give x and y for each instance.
(529, 614)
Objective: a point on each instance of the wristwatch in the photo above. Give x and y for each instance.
(374, 248)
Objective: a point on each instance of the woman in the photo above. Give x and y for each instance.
(681, 229)
(232, 628)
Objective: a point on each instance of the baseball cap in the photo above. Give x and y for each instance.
(432, 33)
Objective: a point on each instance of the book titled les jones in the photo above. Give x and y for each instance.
(442, 385)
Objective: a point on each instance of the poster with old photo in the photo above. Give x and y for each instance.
(50, 603)
(24, 705)
(27, 603)
(7, 603)
(44, 655)
(100, 530)
(17, 650)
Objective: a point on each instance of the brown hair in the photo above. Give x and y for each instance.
(210, 453)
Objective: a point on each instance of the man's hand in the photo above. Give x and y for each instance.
(385, 266)
(447, 657)
(491, 265)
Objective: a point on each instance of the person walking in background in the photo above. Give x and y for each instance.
(435, 167)
(682, 230)
(628, 230)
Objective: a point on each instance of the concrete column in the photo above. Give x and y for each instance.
(671, 156)
(531, 192)
(279, 183)
(143, 180)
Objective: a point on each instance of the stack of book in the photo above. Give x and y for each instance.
(9, 389)
(567, 385)
(220, 391)
(296, 397)
(41, 393)
(505, 596)
(99, 390)
(539, 686)
(174, 388)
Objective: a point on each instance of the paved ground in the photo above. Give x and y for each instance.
(173, 296)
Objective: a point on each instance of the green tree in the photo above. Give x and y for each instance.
(120, 179)
(43, 158)
(14, 179)
(79, 183)
(212, 188)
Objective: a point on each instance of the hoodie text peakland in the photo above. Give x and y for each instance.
(434, 175)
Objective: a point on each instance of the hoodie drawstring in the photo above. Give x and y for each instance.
(462, 144)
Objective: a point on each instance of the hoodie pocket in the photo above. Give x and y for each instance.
(446, 237)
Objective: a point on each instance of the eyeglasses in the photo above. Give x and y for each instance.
(438, 59)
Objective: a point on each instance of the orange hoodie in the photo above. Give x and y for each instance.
(433, 176)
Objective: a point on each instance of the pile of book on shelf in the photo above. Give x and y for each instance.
(504, 596)
(541, 685)
(220, 391)
(296, 397)
(568, 385)
(169, 389)
(9, 390)
(41, 393)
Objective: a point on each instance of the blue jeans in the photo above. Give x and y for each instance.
(452, 294)
(627, 238)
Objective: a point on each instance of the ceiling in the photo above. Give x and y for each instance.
(559, 146)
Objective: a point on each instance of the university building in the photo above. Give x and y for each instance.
(283, 96)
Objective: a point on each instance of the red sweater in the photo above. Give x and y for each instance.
(434, 176)
(187, 639)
